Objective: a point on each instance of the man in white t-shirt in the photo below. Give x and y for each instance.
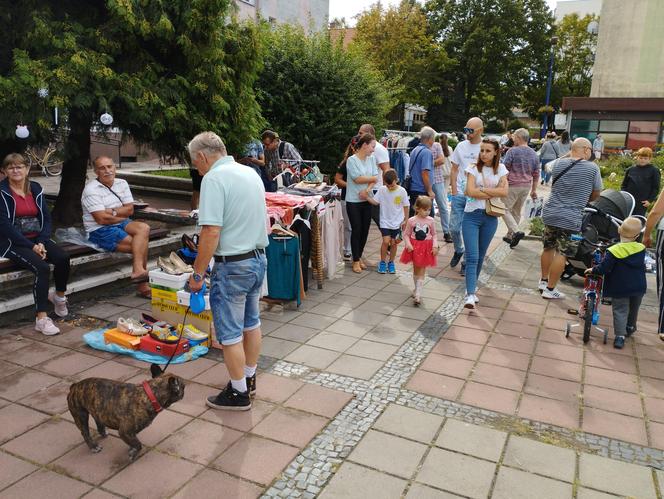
(464, 155)
(107, 207)
(383, 162)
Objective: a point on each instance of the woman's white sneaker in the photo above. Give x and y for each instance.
(46, 327)
(469, 302)
(552, 294)
(60, 304)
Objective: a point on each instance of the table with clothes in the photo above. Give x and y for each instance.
(306, 227)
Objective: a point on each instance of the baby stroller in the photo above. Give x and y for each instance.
(601, 220)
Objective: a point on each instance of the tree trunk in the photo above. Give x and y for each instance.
(67, 211)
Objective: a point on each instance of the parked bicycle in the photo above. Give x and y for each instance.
(591, 298)
(49, 159)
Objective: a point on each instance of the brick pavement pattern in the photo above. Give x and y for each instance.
(358, 392)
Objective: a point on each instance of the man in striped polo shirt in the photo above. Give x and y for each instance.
(575, 182)
(524, 166)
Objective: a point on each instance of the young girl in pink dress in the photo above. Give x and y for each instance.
(421, 243)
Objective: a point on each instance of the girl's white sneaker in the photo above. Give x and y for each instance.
(46, 327)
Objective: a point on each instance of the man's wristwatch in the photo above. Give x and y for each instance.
(197, 277)
(114, 212)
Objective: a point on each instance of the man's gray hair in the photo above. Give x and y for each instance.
(208, 143)
(523, 134)
(427, 133)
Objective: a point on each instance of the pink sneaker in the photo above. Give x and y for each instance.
(46, 326)
(60, 304)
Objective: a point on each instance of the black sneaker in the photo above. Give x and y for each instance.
(517, 237)
(630, 331)
(456, 258)
(230, 399)
(462, 272)
(447, 238)
(619, 342)
(251, 384)
(508, 240)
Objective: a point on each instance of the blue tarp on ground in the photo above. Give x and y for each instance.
(95, 339)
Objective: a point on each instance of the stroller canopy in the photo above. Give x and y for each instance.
(619, 204)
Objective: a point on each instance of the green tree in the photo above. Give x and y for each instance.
(499, 47)
(315, 94)
(164, 70)
(398, 42)
(574, 57)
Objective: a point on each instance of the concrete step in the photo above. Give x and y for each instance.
(12, 282)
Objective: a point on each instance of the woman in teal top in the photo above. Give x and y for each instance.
(362, 174)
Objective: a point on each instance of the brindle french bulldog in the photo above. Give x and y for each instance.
(120, 406)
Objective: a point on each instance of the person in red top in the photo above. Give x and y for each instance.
(25, 231)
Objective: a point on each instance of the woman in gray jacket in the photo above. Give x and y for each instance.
(548, 152)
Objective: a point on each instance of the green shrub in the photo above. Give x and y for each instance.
(536, 226)
(452, 143)
(514, 124)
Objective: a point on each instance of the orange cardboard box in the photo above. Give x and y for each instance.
(123, 339)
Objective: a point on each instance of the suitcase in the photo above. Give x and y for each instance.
(149, 344)
(125, 340)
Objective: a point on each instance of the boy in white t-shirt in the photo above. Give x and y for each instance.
(394, 203)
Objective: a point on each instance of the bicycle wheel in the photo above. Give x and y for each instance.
(53, 164)
(588, 317)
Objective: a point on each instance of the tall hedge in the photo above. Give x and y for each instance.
(316, 94)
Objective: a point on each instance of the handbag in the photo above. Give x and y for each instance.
(27, 225)
(493, 206)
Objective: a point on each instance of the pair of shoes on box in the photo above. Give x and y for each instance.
(191, 332)
(174, 265)
(131, 326)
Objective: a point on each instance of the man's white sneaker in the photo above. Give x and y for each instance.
(553, 294)
(46, 327)
(469, 302)
(542, 285)
(60, 304)
(477, 300)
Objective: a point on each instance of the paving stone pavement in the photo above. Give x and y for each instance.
(362, 395)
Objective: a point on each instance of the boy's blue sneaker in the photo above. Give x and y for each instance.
(390, 268)
(382, 267)
(619, 342)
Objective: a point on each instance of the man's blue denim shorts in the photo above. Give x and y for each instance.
(109, 236)
(235, 291)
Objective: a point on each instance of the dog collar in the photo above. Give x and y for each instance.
(153, 400)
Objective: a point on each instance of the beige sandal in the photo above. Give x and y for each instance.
(357, 267)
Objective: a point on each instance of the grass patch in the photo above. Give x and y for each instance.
(179, 173)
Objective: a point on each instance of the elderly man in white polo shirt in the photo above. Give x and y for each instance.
(107, 207)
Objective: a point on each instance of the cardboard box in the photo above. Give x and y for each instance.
(125, 340)
(175, 282)
(149, 344)
(184, 297)
(173, 313)
(159, 294)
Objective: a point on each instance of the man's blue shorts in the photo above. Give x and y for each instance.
(109, 236)
(234, 297)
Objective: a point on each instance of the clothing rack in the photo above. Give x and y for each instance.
(400, 132)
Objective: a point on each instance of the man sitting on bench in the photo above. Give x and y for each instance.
(107, 205)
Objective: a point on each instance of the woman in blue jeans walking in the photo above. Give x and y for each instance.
(485, 180)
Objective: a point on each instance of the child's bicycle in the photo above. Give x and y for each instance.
(592, 295)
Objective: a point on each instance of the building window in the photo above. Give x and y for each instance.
(644, 127)
(638, 140)
(613, 126)
(584, 128)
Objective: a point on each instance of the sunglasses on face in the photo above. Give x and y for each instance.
(468, 130)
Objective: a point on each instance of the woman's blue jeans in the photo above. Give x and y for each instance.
(440, 194)
(478, 229)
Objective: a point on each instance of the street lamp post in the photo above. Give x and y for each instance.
(549, 81)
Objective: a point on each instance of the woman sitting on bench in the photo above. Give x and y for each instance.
(25, 231)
